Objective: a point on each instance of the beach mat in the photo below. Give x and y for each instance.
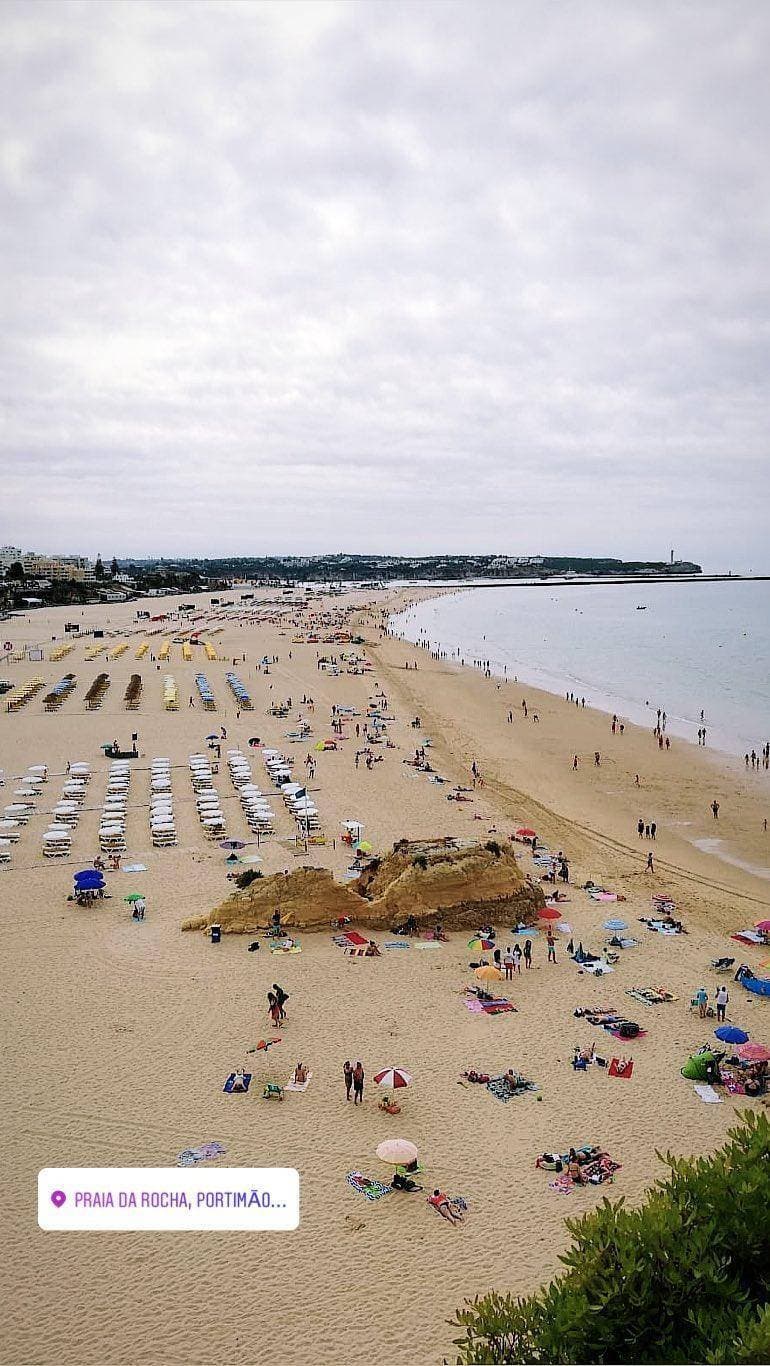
(371, 1190)
(614, 1069)
(707, 1094)
(204, 1152)
(397, 944)
(299, 1086)
(499, 1088)
(228, 1086)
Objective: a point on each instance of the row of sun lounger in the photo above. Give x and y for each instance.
(18, 812)
(57, 840)
(206, 797)
(301, 806)
(112, 828)
(20, 695)
(162, 825)
(170, 694)
(53, 700)
(205, 692)
(97, 691)
(256, 808)
(60, 652)
(239, 691)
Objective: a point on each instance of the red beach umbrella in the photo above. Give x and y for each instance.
(526, 834)
(393, 1078)
(763, 926)
(549, 913)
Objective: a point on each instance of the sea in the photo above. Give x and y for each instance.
(693, 649)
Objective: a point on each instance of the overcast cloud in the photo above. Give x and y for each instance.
(410, 278)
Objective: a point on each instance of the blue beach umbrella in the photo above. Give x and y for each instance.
(731, 1034)
(615, 925)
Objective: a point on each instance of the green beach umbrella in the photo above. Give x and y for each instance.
(134, 896)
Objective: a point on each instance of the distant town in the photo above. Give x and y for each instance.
(30, 579)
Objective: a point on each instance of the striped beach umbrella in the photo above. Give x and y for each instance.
(393, 1078)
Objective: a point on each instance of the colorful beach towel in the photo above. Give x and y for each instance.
(371, 1190)
(651, 996)
(500, 1088)
(397, 944)
(205, 1152)
(615, 1070)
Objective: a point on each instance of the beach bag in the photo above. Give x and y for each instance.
(627, 1029)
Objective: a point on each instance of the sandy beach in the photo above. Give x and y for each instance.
(119, 1035)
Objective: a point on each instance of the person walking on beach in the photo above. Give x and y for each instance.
(281, 997)
(653, 829)
(597, 759)
(551, 947)
(508, 964)
(274, 1010)
(715, 809)
(722, 997)
(517, 959)
(358, 1084)
(640, 828)
(650, 865)
(527, 954)
(347, 1072)
(574, 761)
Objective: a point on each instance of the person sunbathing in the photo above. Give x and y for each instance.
(300, 1074)
(239, 1080)
(390, 1106)
(574, 1168)
(440, 1201)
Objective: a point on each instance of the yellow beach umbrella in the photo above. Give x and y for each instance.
(488, 974)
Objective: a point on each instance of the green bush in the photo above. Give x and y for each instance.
(684, 1278)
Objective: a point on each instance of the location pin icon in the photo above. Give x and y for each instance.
(58, 1198)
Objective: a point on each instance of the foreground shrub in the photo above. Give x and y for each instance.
(684, 1278)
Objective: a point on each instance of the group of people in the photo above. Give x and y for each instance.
(354, 1081)
(721, 999)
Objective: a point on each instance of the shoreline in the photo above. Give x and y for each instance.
(559, 682)
(747, 853)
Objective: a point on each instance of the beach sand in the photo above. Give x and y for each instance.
(118, 1036)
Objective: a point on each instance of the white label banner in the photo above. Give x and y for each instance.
(167, 1198)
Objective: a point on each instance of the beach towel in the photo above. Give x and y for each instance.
(427, 944)
(299, 1086)
(276, 948)
(732, 1086)
(747, 937)
(499, 1088)
(351, 937)
(497, 1007)
(134, 868)
(651, 996)
(398, 944)
(455, 1201)
(600, 968)
(563, 1184)
(615, 1069)
(371, 1190)
(228, 1086)
(707, 1094)
(615, 1031)
(203, 1153)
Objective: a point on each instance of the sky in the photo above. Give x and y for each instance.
(405, 278)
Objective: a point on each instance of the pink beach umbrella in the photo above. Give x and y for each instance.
(396, 1151)
(753, 1052)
